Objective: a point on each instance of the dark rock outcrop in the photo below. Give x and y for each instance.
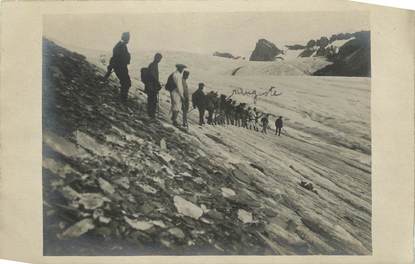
(352, 59)
(295, 47)
(306, 53)
(225, 55)
(265, 51)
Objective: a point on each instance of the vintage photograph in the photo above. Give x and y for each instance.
(231, 133)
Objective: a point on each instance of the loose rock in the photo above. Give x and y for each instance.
(106, 186)
(244, 216)
(139, 225)
(187, 208)
(226, 192)
(78, 229)
(177, 232)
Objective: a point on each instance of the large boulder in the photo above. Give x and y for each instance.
(265, 51)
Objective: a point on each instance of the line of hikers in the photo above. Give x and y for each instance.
(221, 110)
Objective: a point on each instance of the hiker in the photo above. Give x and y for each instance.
(228, 111)
(153, 86)
(238, 114)
(185, 102)
(264, 122)
(245, 117)
(215, 114)
(256, 118)
(199, 102)
(119, 62)
(278, 126)
(210, 106)
(221, 109)
(251, 118)
(176, 94)
(233, 113)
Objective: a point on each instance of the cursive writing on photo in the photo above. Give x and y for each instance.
(270, 92)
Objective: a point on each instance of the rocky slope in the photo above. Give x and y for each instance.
(116, 184)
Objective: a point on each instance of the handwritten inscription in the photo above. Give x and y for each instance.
(270, 92)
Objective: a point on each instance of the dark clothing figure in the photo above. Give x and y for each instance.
(228, 111)
(152, 88)
(185, 101)
(221, 109)
(257, 116)
(239, 115)
(264, 122)
(119, 61)
(245, 118)
(278, 126)
(199, 102)
(210, 107)
(185, 109)
(233, 113)
(125, 81)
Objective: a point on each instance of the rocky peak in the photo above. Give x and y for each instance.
(265, 51)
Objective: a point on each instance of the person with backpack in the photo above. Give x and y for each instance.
(152, 86)
(185, 102)
(278, 126)
(199, 102)
(119, 63)
(175, 86)
(264, 122)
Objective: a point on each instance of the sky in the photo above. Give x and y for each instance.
(200, 32)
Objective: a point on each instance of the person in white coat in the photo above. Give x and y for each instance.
(176, 94)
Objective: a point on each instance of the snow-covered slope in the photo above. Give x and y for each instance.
(112, 187)
(214, 66)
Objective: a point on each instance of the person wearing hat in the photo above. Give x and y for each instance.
(119, 62)
(199, 102)
(176, 94)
